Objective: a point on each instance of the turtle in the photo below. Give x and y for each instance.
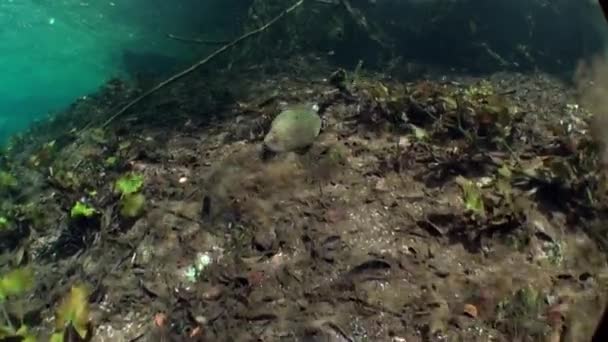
(293, 129)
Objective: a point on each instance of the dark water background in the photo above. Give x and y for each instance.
(52, 52)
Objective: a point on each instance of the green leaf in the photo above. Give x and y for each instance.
(57, 337)
(74, 310)
(111, 161)
(82, 210)
(419, 133)
(7, 180)
(505, 172)
(132, 205)
(124, 145)
(450, 102)
(473, 200)
(6, 331)
(3, 222)
(129, 183)
(16, 282)
(23, 331)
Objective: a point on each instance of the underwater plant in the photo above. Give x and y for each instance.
(111, 161)
(8, 181)
(132, 205)
(72, 316)
(132, 201)
(3, 222)
(82, 210)
(472, 196)
(520, 313)
(14, 283)
(129, 183)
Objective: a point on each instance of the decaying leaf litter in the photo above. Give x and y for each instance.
(456, 207)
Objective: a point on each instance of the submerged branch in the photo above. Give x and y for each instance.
(202, 62)
(196, 40)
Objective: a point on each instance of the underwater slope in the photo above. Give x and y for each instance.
(381, 231)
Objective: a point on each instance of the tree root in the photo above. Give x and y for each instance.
(201, 62)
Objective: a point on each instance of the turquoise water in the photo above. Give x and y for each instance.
(52, 52)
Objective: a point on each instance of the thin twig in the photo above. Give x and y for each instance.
(201, 62)
(196, 40)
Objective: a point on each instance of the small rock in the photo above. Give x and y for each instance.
(201, 320)
(212, 293)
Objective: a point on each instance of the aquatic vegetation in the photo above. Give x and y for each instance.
(3, 223)
(82, 210)
(36, 214)
(521, 314)
(14, 284)
(472, 196)
(132, 202)
(44, 156)
(129, 183)
(8, 181)
(111, 161)
(478, 91)
(419, 133)
(132, 205)
(73, 314)
(383, 105)
(12, 229)
(22, 334)
(98, 136)
(67, 179)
